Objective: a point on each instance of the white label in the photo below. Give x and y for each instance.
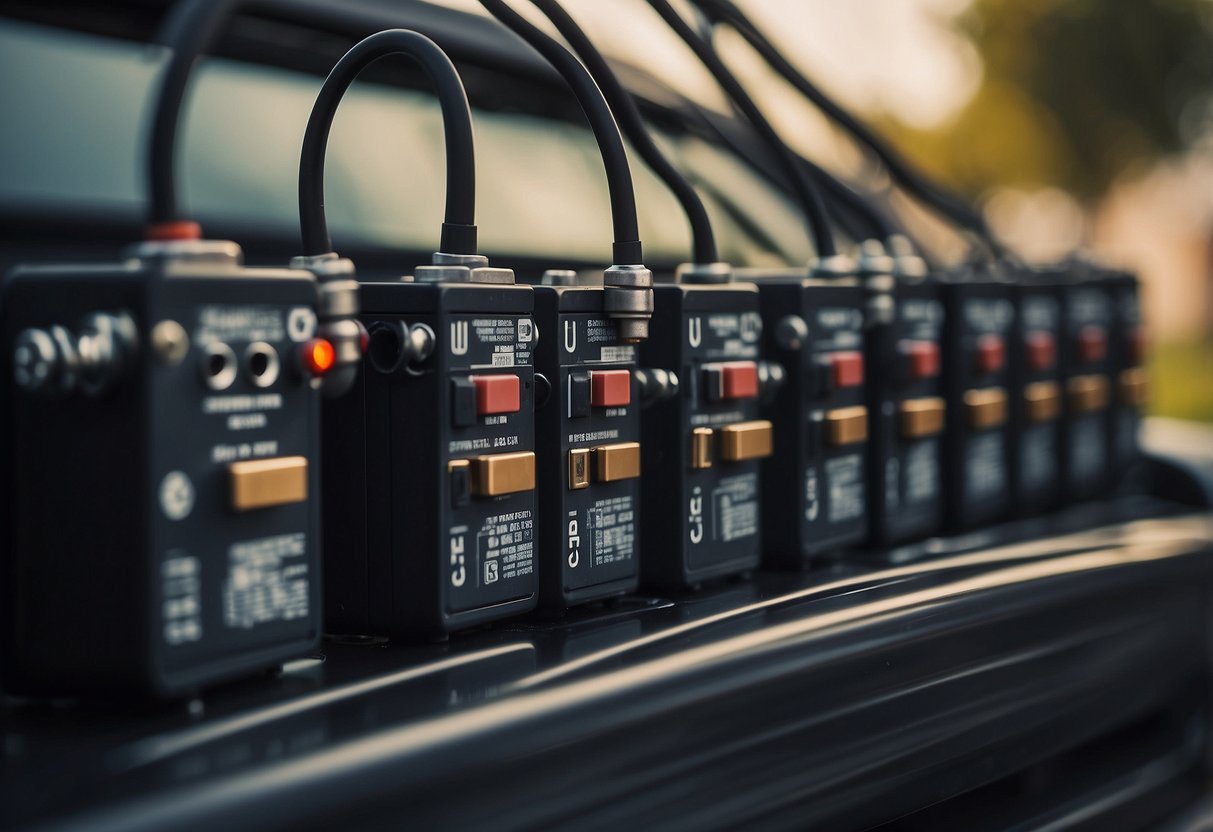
(845, 475)
(267, 581)
(984, 471)
(181, 590)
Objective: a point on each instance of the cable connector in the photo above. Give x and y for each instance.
(337, 318)
(705, 273)
(628, 300)
(461, 268)
(907, 264)
(875, 270)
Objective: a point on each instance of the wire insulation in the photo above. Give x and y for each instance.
(703, 240)
(459, 225)
(901, 171)
(627, 248)
(188, 31)
(810, 200)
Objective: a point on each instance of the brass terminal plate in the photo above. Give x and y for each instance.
(1087, 393)
(1042, 401)
(617, 462)
(921, 417)
(579, 468)
(701, 448)
(846, 425)
(986, 408)
(1134, 387)
(261, 483)
(746, 440)
(500, 474)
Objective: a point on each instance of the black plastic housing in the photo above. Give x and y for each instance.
(905, 472)
(1127, 349)
(1086, 467)
(413, 554)
(707, 523)
(589, 537)
(977, 461)
(127, 568)
(1036, 436)
(814, 490)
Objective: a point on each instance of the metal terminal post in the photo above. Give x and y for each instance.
(559, 277)
(705, 273)
(907, 264)
(337, 317)
(875, 270)
(628, 300)
(461, 268)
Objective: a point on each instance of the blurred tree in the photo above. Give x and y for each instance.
(1075, 92)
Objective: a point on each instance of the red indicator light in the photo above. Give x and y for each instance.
(319, 356)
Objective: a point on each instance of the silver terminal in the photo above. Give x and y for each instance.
(907, 265)
(36, 360)
(559, 277)
(771, 377)
(462, 268)
(628, 300)
(324, 266)
(105, 346)
(875, 269)
(705, 273)
(213, 254)
(420, 344)
(791, 332)
(337, 308)
(170, 342)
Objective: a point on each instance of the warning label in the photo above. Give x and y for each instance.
(735, 506)
(267, 581)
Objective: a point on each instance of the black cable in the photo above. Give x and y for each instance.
(459, 223)
(188, 30)
(901, 171)
(806, 193)
(627, 247)
(703, 241)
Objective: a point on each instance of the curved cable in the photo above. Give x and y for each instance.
(902, 172)
(806, 193)
(627, 247)
(459, 224)
(188, 30)
(703, 240)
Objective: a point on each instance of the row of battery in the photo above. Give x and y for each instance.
(774, 419)
(502, 447)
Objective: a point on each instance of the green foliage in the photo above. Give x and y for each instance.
(1075, 92)
(1181, 380)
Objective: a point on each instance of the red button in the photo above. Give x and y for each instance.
(923, 358)
(738, 380)
(1137, 345)
(1041, 350)
(847, 368)
(1092, 344)
(991, 354)
(497, 394)
(610, 388)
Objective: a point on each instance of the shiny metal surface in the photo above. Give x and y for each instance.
(811, 693)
